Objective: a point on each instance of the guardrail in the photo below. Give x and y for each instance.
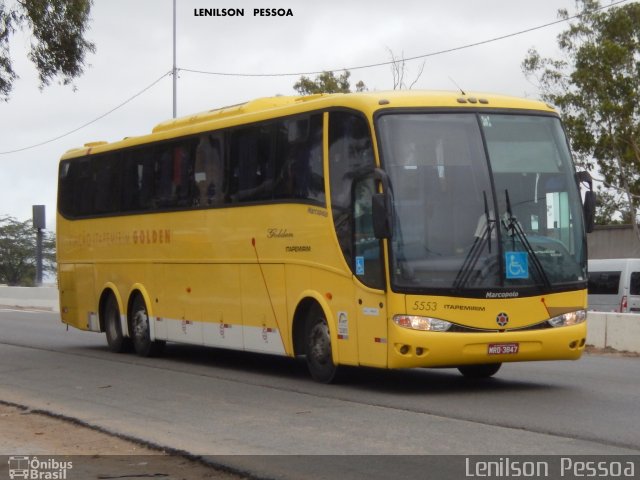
(620, 331)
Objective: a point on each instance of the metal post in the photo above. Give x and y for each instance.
(39, 238)
(39, 225)
(175, 69)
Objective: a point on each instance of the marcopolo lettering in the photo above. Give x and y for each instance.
(502, 294)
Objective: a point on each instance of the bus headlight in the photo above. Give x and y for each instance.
(566, 319)
(422, 323)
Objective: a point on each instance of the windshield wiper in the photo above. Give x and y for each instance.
(477, 248)
(515, 230)
(489, 221)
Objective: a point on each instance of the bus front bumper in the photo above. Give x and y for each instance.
(412, 348)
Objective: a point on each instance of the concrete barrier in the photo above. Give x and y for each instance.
(620, 331)
(45, 298)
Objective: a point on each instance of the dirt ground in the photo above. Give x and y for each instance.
(94, 454)
(610, 352)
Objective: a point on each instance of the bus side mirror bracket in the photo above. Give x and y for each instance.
(589, 204)
(381, 227)
(382, 207)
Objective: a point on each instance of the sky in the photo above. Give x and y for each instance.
(134, 48)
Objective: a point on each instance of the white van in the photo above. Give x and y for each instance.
(614, 285)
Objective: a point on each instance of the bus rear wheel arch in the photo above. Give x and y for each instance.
(140, 328)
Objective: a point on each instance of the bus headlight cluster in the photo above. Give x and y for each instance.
(566, 319)
(422, 323)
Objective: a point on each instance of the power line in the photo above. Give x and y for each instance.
(175, 70)
(91, 121)
(417, 57)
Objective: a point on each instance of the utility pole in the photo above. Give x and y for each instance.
(175, 69)
(39, 225)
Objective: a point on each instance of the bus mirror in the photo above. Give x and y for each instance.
(589, 205)
(589, 209)
(381, 218)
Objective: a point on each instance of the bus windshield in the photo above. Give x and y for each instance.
(482, 201)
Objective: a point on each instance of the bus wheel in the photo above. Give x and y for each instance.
(484, 370)
(318, 347)
(141, 332)
(117, 342)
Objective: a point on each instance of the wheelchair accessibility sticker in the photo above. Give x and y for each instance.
(359, 265)
(517, 265)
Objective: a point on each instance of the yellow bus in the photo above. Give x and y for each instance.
(383, 229)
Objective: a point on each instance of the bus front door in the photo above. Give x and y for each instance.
(372, 327)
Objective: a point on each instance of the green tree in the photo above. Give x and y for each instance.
(596, 86)
(58, 47)
(609, 206)
(18, 252)
(327, 82)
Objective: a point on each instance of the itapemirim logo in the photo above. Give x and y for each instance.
(33, 468)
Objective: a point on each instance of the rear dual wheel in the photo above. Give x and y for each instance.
(141, 330)
(117, 342)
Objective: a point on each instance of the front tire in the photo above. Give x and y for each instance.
(318, 347)
(484, 370)
(141, 331)
(117, 342)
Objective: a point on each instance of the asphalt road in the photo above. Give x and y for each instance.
(247, 411)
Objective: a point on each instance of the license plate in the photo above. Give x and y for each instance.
(503, 348)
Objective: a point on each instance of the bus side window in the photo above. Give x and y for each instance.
(315, 181)
(368, 267)
(144, 175)
(183, 184)
(83, 188)
(66, 180)
(174, 175)
(243, 162)
(106, 174)
(251, 164)
(208, 171)
(289, 159)
(351, 161)
(163, 176)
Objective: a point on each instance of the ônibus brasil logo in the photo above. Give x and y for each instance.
(35, 469)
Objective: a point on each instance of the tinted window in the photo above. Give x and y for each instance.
(84, 188)
(106, 176)
(138, 180)
(634, 288)
(276, 160)
(252, 162)
(481, 201)
(351, 165)
(604, 283)
(209, 170)
(298, 165)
